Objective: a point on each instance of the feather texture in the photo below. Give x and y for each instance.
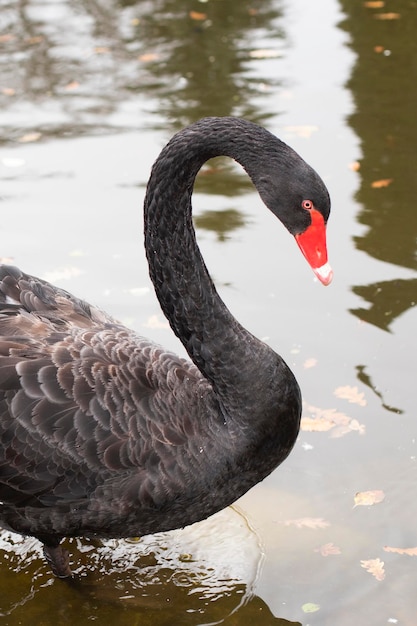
(103, 432)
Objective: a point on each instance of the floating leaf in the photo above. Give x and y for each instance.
(369, 498)
(195, 15)
(6, 38)
(301, 131)
(379, 184)
(148, 57)
(311, 362)
(307, 522)
(374, 4)
(387, 16)
(379, 49)
(408, 551)
(351, 394)
(29, 137)
(265, 53)
(374, 567)
(322, 420)
(319, 424)
(310, 607)
(328, 549)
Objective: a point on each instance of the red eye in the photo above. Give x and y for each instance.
(307, 204)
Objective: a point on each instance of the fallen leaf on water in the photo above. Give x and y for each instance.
(148, 56)
(6, 38)
(311, 362)
(318, 424)
(265, 53)
(368, 498)
(322, 420)
(408, 551)
(29, 137)
(307, 522)
(379, 184)
(387, 16)
(301, 131)
(310, 607)
(351, 394)
(195, 15)
(374, 4)
(374, 567)
(328, 549)
(379, 49)
(344, 429)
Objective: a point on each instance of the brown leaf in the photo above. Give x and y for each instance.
(319, 424)
(408, 551)
(322, 420)
(6, 38)
(328, 549)
(195, 15)
(374, 567)
(149, 56)
(387, 16)
(351, 394)
(265, 53)
(379, 49)
(374, 4)
(308, 522)
(379, 184)
(368, 498)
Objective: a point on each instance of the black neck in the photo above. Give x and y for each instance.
(211, 335)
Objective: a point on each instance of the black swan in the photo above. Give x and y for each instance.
(105, 434)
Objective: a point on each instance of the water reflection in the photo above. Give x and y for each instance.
(82, 66)
(202, 574)
(384, 119)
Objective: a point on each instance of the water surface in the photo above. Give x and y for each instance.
(89, 94)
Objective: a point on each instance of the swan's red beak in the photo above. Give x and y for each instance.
(312, 243)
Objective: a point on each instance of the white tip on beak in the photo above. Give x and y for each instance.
(324, 273)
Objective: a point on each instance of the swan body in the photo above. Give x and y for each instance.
(105, 434)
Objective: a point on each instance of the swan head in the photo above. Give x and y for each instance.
(296, 194)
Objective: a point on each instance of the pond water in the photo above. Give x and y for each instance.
(90, 92)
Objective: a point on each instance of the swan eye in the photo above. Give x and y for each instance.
(307, 204)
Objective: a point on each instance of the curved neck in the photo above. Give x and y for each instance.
(212, 337)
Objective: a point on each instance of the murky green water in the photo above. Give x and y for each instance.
(89, 93)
